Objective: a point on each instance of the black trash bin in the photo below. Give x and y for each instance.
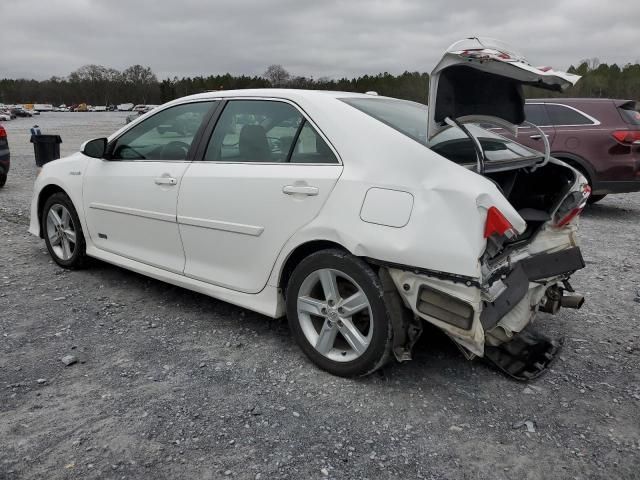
(46, 148)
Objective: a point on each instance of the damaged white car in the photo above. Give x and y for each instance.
(357, 216)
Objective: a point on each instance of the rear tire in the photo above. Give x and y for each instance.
(595, 198)
(337, 313)
(63, 232)
(3, 179)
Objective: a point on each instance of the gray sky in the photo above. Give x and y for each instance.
(41, 38)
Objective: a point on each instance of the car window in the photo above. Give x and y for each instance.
(256, 131)
(562, 115)
(167, 135)
(536, 114)
(311, 148)
(454, 145)
(629, 113)
(405, 116)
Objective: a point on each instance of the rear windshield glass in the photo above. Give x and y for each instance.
(457, 147)
(407, 117)
(629, 113)
(410, 118)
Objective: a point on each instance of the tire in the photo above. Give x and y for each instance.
(63, 232)
(3, 179)
(595, 198)
(346, 338)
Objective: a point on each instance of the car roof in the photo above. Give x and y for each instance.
(287, 93)
(575, 100)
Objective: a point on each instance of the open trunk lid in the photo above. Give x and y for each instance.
(480, 76)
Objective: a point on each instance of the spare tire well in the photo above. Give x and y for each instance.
(45, 193)
(300, 253)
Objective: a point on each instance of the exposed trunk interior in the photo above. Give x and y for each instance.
(535, 195)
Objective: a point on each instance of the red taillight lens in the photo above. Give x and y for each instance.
(3, 132)
(497, 224)
(572, 206)
(627, 137)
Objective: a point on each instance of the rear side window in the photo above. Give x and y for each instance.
(629, 113)
(562, 115)
(536, 114)
(266, 131)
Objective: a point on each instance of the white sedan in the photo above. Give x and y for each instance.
(357, 216)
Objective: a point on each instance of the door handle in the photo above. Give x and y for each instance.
(538, 137)
(300, 190)
(165, 181)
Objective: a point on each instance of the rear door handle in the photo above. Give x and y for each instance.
(537, 137)
(300, 190)
(165, 181)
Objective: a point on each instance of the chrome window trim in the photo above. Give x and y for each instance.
(594, 121)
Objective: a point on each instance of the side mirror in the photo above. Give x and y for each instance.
(95, 148)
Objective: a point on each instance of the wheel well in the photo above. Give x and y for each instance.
(300, 253)
(45, 193)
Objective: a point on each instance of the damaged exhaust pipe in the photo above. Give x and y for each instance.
(572, 301)
(555, 298)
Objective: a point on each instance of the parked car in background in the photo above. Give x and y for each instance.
(348, 212)
(20, 112)
(5, 116)
(5, 157)
(598, 136)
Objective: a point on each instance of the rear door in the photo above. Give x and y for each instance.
(130, 199)
(266, 172)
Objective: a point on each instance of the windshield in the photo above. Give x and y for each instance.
(410, 118)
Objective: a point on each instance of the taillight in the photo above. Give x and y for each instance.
(572, 206)
(3, 132)
(627, 137)
(498, 225)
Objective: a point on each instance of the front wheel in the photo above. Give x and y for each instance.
(63, 232)
(337, 314)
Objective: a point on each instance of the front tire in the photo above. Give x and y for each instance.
(337, 313)
(63, 232)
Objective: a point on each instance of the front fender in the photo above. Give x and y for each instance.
(64, 174)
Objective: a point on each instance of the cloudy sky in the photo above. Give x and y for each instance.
(41, 38)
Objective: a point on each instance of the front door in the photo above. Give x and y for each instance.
(130, 199)
(266, 172)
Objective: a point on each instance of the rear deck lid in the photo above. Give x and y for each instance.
(480, 76)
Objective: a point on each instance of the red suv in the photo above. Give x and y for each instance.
(4, 156)
(598, 136)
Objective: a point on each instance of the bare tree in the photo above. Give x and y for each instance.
(277, 76)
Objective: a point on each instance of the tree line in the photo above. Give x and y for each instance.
(99, 85)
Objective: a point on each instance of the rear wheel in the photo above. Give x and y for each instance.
(63, 232)
(3, 179)
(337, 313)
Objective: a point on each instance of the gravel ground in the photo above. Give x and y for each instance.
(173, 384)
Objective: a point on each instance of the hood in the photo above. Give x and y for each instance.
(480, 76)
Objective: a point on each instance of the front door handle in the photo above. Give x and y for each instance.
(165, 181)
(300, 190)
(537, 137)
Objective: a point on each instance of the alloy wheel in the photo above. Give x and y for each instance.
(335, 315)
(61, 231)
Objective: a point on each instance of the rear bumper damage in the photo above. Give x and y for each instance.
(491, 318)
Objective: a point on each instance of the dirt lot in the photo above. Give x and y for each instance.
(172, 384)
